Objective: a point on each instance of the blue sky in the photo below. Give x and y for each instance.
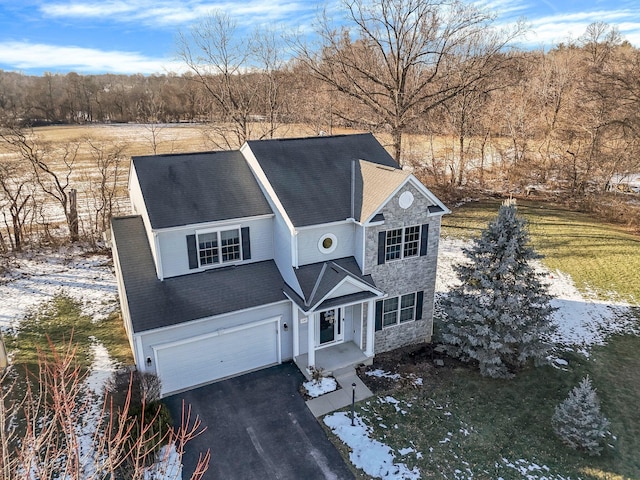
(138, 36)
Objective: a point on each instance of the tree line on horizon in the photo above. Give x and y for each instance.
(449, 92)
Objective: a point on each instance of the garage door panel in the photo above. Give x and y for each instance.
(227, 353)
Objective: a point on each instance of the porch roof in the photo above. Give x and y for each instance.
(318, 280)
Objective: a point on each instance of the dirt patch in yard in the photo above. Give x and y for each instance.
(411, 366)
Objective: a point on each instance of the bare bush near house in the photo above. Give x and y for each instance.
(57, 430)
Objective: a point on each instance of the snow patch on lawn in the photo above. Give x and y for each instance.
(530, 470)
(100, 372)
(382, 374)
(36, 277)
(392, 401)
(582, 319)
(168, 465)
(102, 368)
(373, 457)
(316, 388)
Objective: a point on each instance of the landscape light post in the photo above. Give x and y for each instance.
(353, 403)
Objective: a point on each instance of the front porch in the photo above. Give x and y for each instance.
(334, 337)
(333, 358)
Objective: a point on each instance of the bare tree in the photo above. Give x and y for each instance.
(233, 69)
(464, 115)
(103, 183)
(64, 434)
(16, 187)
(151, 113)
(268, 52)
(396, 57)
(41, 158)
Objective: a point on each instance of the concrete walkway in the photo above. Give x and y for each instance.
(330, 402)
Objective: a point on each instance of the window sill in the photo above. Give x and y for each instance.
(406, 322)
(218, 265)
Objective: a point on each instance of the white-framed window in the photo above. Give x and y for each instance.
(402, 243)
(396, 310)
(220, 246)
(327, 243)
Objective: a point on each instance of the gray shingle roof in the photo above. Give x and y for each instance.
(312, 176)
(198, 187)
(155, 304)
(318, 279)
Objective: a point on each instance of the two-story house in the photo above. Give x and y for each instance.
(319, 250)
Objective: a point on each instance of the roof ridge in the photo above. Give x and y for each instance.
(352, 275)
(317, 284)
(185, 154)
(309, 137)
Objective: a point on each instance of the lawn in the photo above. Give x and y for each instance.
(61, 321)
(604, 258)
(61, 296)
(460, 425)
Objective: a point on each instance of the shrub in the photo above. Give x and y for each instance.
(578, 420)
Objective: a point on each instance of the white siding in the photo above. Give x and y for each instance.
(173, 244)
(124, 305)
(359, 238)
(308, 238)
(347, 288)
(283, 242)
(283, 247)
(135, 194)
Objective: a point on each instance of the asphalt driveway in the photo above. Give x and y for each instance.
(258, 427)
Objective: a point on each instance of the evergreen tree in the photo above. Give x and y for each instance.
(500, 315)
(578, 420)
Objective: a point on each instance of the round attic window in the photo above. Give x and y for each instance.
(406, 200)
(327, 243)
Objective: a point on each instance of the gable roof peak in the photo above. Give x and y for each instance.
(313, 178)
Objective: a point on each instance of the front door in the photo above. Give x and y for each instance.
(330, 326)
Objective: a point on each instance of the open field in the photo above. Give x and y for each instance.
(95, 143)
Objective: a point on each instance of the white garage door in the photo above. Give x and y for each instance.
(227, 352)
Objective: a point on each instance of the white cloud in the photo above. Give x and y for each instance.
(504, 8)
(608, 16)
(171, 13)
(87, 10)
(547, 31)
(27, 56)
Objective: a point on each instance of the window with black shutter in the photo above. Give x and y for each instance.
(217, 247)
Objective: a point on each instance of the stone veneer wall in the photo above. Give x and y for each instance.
(409, 275)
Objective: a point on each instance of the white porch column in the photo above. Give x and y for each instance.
(296, 330)
(311, 348)
(370, 327)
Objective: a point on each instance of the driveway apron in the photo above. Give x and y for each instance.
(258, 427)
